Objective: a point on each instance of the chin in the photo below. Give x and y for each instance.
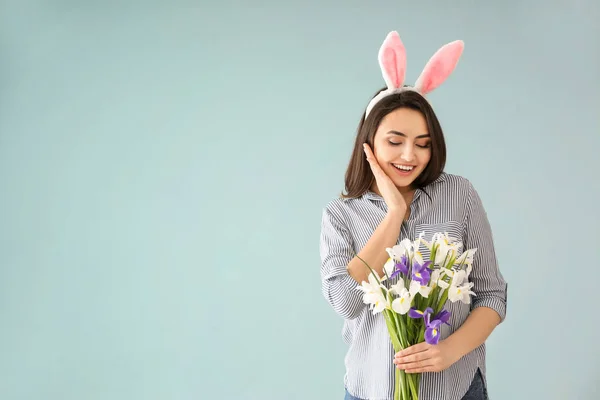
(403, 180)
(403, 183)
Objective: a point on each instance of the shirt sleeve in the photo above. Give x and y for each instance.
(488, 283)
(336, 250)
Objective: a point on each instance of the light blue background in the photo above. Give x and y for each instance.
(163, 166)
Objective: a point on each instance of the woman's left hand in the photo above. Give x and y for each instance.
(424, 357)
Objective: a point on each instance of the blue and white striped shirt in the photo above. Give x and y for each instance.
(449, 204)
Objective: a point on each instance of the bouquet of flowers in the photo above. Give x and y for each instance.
(413, 307)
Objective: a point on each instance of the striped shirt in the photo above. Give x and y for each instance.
(449, 204)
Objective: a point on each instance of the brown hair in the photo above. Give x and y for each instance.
(359, 176)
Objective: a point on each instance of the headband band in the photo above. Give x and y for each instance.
(392, 61)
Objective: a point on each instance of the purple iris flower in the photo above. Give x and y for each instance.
(421, 273)
(433, 325)
(400, 267)
(432, 331)
(443, 316)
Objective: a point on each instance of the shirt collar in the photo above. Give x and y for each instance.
(370, 195)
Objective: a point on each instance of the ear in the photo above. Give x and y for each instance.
(439, 67)
(392, 60)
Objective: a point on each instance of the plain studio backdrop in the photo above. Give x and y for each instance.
(163, 167)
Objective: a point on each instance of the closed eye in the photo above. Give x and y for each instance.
(422, 146)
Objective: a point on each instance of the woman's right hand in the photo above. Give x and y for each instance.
(388, 190)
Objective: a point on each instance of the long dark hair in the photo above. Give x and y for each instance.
(359, 177)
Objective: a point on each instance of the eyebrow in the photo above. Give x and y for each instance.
(404, 135)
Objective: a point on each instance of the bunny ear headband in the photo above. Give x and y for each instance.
(392, 60)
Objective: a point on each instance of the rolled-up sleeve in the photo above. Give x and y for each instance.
(336, 250)
(489, 285)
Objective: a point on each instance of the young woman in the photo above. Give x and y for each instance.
(396, 189)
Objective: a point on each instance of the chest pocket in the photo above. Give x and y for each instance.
(454, 229)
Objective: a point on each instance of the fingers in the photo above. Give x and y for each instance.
(418, 365)
(368, 150)
(412, 360)
(416, 358)
(375, 167)
(370, 155)
(420, 362)
(417, 348)
(423, 355)
(419, 358)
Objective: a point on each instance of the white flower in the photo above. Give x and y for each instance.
(388, 267)
(373, 294)
(446, 239)
(397, 287)
(459, 277)
(406, 247)
(445, 251)
(466, 258)
(445, 247)
(435, 277)
(443, 284)
(438, 277)
(462, 293)
(416, 287)
(418, 258)
(402, 303)
(379, 304)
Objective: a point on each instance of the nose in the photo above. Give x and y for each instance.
(407, 154)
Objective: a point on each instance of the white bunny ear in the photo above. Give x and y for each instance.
(392, 60)
(439, 67)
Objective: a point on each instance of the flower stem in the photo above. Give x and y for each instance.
(414, 386)
(397, 384)
(442, 301)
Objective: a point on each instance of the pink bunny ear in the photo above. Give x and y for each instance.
(392, 60)
(439, 67)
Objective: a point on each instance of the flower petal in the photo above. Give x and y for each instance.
(388, 267)
(443, 316)
(415, 314)
(432, 335)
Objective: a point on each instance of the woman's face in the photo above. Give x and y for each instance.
(402, 146)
